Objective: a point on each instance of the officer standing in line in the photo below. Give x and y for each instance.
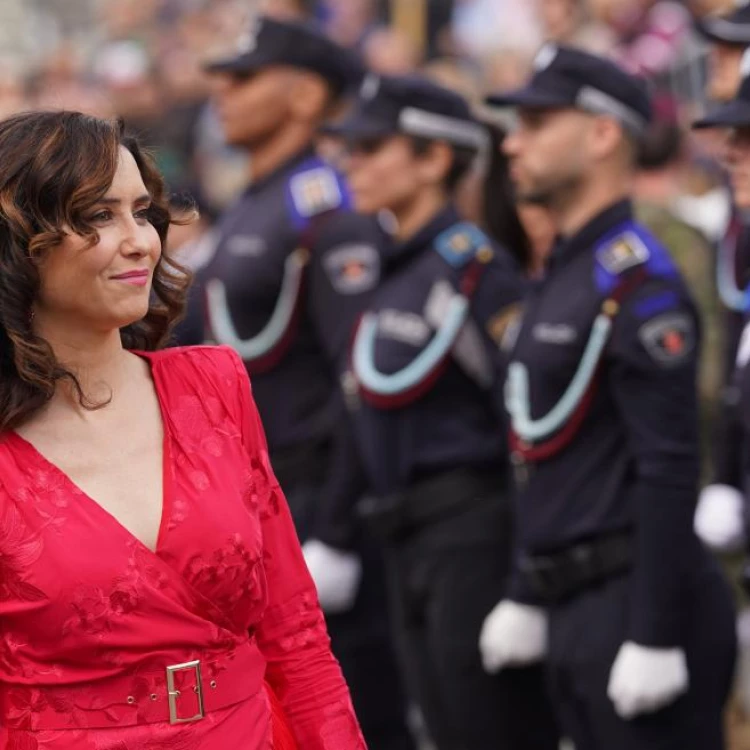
(424, 396)
(719, 519)
(293, 268)
(610, 586)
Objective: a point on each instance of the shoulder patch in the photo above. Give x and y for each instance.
(313, 191)
(630, 246)
(352, 268)
(459, 244)
(669, 339)
(625, 251)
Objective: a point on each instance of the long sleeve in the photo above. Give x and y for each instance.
(302, 671)
(653, 379)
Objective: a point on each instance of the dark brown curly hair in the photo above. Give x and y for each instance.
(54, 166)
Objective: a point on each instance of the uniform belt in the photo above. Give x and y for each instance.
(176, 693)
(556, 577)
(429, 500)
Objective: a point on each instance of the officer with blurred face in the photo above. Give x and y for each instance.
(292, 270)
(426, 400)
(719, 519)
(611, 586)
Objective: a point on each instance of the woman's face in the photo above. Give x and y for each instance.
(105, 286)
(384, 174)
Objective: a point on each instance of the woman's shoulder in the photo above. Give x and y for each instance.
(195, 368)
(209, 359)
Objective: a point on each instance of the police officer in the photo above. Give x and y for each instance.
(735, 115)
(292, 269)
(610, 586)
(719, 515)
(424, 396)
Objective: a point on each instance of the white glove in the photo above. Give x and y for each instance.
(719, 518)
(513, 635)
(336, 575)
(643, 680)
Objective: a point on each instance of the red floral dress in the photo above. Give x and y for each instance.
(90, 618)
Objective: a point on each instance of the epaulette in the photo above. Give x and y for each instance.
(314, 189)
(461, 243)
(630, 246)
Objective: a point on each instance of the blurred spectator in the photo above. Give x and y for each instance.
(506, 70)
(12, 95)
(653, 33)
(292, 10)
(486, 27)
(456, 75)
(390, 52)
(568, 22)
(659, 186)
(349, 22)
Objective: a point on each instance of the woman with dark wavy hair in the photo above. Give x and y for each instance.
(150, 576)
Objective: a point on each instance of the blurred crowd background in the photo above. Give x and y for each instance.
(141, 60)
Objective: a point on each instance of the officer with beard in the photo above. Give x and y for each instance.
(611, 587)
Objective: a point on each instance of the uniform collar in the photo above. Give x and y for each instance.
(444, 219)
(568, 247)
(282, 170)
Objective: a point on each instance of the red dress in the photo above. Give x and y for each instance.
(96, 629)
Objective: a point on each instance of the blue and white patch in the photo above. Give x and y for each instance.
(626, 251)
(459, 244)
(352, 269)
(630, 246)
(315, 191)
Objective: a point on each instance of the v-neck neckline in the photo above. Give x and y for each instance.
(166, 469)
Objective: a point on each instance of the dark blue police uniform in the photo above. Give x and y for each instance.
(293, 268)
(602, 396)
(734, 289)
(426, 399)
(601, 390)
(732, 269)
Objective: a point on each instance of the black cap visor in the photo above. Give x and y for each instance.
(735, 114)
(728, 31)
(359, 127)
(239, 64)
(531, 98)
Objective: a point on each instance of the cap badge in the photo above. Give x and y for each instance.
(745, 64)
(545, 56)
(249, 40)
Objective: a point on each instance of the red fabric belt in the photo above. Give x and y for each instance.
(197, 688)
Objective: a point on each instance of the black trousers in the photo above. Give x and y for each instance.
(444, 579)
(361, 641)
(585, 635)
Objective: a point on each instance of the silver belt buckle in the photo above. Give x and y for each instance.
(173, 694)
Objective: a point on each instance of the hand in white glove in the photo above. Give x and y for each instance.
(643, 680)
(719, 518)
(336, 575)
(513, 635)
